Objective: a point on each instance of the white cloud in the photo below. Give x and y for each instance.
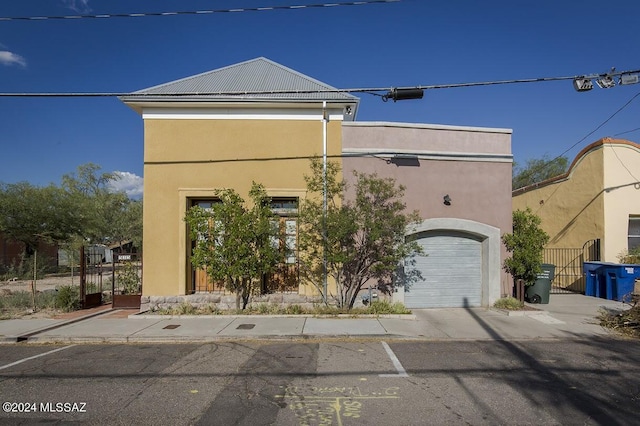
(10, 58)
(80, 6)
(129, 183)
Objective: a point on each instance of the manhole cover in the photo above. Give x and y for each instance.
(245, 326)
(171, 326)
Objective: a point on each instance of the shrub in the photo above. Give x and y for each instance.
(68, 298)
(294, 310)
(210, 309)
(17, 300)
(509, 303)
(184, 309)
(127, 279)
(630, 257)
(384, 307)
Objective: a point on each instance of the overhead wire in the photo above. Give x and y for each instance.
(368, 90)
(195, 12)
(548, 163)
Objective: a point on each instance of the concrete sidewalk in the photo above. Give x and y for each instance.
(566, 316)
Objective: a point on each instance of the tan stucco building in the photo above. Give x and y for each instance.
(195, 144)
(598, 198)
(260, 121)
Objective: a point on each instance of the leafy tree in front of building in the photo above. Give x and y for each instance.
(234, 241)
(362, 238)
(526, 245)
(537, 170)
(30, 215)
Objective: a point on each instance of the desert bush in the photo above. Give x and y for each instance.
(385, 307)
(509, 303)
(630, 257)
(68, 298)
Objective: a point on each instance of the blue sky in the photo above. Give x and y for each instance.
(408, 43)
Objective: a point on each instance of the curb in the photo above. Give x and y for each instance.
(522, 313)
(25, 337)
(411, 317)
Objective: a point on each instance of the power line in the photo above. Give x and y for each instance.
(197, 12)
(627, 131)
(548, 163)
(369, 90)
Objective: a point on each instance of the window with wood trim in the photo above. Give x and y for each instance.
(286, 276)
(200, 281)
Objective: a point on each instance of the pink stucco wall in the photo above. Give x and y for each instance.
(471, 165)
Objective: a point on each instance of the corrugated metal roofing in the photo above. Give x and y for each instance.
(242, 80)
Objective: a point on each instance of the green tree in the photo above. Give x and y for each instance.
(98, 204)
(31, 214)
(538, 170)
(526, 245)
(362, 239)
(126, 223)
(235, 242)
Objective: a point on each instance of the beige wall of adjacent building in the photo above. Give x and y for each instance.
(190, 158)
(621, 195)
(571, 208)
(593, 200)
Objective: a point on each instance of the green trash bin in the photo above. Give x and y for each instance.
(539, 291)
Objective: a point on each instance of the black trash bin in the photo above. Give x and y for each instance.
(539, 291)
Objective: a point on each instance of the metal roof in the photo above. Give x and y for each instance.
(247, 80)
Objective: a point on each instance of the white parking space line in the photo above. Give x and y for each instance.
(396, 363)
(34, 357)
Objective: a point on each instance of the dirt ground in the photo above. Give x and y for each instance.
(48, 283)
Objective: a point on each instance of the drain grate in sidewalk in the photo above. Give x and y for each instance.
(171, 326)
(245, 326)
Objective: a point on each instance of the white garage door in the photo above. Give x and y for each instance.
(451, 272)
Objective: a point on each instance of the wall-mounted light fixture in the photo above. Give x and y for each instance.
(447, 200)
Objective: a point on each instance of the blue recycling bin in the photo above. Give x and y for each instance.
(611, 281)
(620, 279)
(595, 281)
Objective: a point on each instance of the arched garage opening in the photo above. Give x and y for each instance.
(461, 266)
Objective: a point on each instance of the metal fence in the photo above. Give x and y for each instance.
(126, 280)
(569, 276)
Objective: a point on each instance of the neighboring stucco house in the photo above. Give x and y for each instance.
(459, 179)
(598, 198)
(231, 135)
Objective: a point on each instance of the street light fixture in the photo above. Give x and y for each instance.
(582, 84)
(629, 79)
(401, 94)
(605, 82)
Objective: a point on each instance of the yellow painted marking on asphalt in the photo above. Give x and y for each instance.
(329, 405)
